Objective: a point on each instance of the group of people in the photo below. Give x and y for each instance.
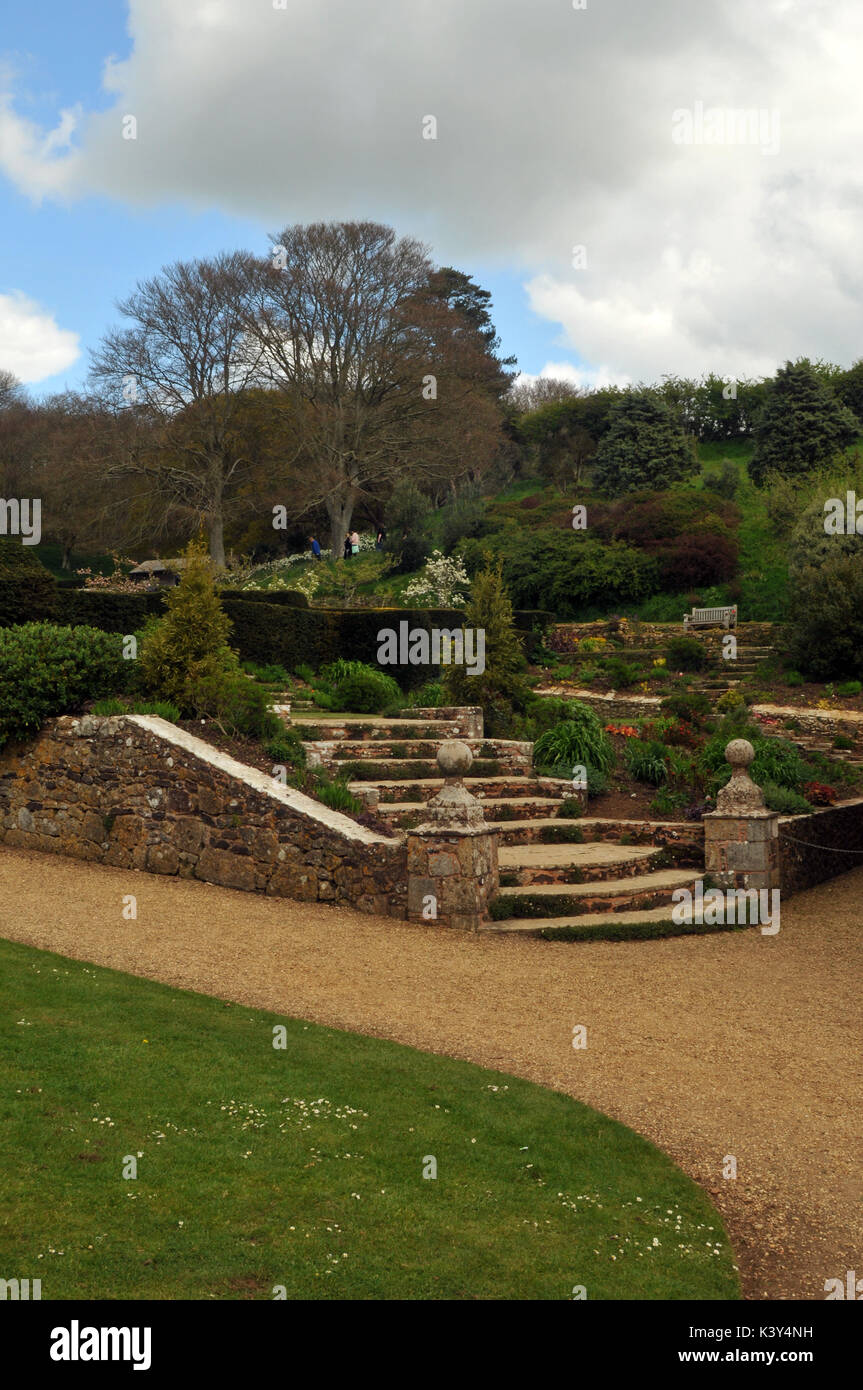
(352, 544)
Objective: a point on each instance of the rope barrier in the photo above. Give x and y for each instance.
(831, 849)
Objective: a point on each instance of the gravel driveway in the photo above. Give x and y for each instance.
(737, 1044)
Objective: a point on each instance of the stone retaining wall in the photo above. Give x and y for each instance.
(137, 792)
(658, 635)
(815, 848)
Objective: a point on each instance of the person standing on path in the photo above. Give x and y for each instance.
(355, 543)
(347, 549)
(316, 547)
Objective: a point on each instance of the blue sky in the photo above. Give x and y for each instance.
(77, 257)
(556, 128)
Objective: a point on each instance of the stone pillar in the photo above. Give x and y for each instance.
(452, 856)
(741, 837)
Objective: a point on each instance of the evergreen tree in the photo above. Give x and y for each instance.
(191, 641)
(801, 426)
(645, 446)
(501, 686)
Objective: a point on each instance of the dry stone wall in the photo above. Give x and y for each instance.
(137, 792)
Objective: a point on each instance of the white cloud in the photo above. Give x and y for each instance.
(32, 345)
(554, 129)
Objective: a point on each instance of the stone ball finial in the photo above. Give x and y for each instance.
(454, 758)
(739, 752)
(740, 795)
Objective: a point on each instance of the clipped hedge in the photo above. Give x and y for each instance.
(290, 598)
(274, 628)
(108, 611)
(27, 590)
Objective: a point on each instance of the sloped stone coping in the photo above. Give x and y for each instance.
(259, 781)
(135, 792)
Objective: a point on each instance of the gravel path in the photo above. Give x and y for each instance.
(732, 1044)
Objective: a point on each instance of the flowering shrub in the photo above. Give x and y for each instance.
(117, 581)
(819, 794)
(439, 584)
(624, 730)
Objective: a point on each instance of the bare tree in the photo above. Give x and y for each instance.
(525, 396)
(11, 390)
(184, 366)
(382, 376)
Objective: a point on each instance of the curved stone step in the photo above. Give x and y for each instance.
(535, 864)
(506, 788)
(611, 895)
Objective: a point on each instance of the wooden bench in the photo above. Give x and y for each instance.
(711, 617)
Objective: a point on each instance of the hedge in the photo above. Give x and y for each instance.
(26, 587)
(291, 598)
(277, 631)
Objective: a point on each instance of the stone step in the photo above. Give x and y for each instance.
(598, 926)
(384, 771)
(611, 895)
(525, 865)
(546, 828)
(513, 809)
(506, 786)
(328, 727)
(508, 751)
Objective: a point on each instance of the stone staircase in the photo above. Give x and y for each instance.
(556, 870)
(721, 675)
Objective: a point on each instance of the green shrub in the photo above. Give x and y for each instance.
(238, 706)
(622, 674)
(274, 674)
(597, 781)
(647, 761)
(354, 686)
(686, 654)
(732, 699)
(570, 808)
(579, 738)
(566, 573)
(286, 748)
(843, 741)
(49, 670)
(787, 802)
(825, 633)
(793, 678)
(691, 707)
(849, 688)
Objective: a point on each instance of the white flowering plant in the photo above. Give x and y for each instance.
(440, 583)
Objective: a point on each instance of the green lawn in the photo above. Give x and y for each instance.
(303, 1167)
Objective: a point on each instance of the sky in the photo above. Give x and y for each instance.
(672, 187)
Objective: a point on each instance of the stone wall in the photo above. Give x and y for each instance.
(657, 635)
(815, 848)
(137, 792)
